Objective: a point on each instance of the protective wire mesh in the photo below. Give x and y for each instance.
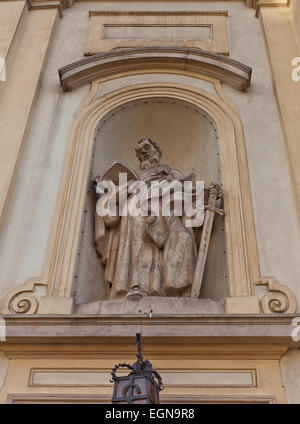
(189, 141)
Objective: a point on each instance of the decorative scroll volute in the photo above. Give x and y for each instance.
(22, 300)
(280, 299)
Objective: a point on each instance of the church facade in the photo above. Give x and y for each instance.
(173, 92)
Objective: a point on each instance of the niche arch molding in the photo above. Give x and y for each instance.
(243, 265)
(241, 243)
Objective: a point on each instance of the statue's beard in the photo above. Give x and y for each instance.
(149, 163)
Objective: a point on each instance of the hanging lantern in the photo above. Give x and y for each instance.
(141, 385)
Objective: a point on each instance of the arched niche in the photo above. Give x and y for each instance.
(242, 258)
(240, 235)
(189, 139)
(222, 68)
(243, 270)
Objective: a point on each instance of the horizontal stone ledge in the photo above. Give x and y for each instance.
(275, 329)
(222, 68)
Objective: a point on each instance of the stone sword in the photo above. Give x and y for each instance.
(214, 193)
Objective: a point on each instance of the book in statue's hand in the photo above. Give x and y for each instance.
(113, 172)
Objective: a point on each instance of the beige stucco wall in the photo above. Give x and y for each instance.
(26, 56)
(9, 18)
(4, 362)
(23, 244)
(295, 9)
(24, 236)
(290, 372)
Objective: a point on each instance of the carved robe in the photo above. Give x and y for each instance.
(157, 255)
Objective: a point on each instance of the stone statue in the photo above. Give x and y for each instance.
(150, 255)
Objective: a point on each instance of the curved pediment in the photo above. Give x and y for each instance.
(226, 70)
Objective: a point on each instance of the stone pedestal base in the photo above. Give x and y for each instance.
(152, 305)
(56, 305)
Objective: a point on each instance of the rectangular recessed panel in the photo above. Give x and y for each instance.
(214, 378)
(157, 32)
(196, 29)
(92, 378)
(71, 378)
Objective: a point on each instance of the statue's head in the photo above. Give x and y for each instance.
(148, 151)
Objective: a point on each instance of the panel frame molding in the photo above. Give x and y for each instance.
(168, 399)
(96, 42)
(220, 370)
(268, 382)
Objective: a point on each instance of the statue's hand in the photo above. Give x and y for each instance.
(214, 209)
(97, 180)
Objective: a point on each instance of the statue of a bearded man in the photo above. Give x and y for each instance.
(147, 255)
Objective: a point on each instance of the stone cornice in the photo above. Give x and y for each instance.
(227, 70)
(156, 12)
(258, 4)
(247, 329)
(64, 4)
(50, 4)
